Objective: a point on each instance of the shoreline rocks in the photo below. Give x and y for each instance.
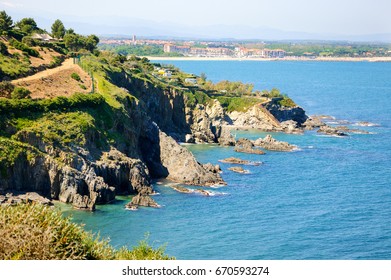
(314, 122)
(28, 197)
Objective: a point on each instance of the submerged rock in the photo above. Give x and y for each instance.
(234, 160)
(181, 189)
(239, 169)
(332, 131)
(352, 130)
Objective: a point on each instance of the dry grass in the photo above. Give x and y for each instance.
(37, 232)
(56, 83)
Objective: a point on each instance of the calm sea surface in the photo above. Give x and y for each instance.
(330, 200)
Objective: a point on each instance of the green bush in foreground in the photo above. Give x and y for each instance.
(36, 232)
(20, 93)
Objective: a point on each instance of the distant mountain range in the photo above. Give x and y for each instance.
(116, 26)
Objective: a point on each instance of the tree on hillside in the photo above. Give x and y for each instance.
(91, 42)
(58, 29)
(70, 31)
(27, 25)
(5, 22)
(72, 41)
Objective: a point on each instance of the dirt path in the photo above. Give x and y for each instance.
(57, 81)
(67, 64)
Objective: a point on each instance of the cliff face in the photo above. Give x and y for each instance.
(87, 158)
(283, 114)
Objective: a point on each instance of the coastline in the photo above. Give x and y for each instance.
(321, 59)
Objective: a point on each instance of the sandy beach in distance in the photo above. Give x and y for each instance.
(288, 58)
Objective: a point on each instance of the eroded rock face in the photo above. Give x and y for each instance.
(256, 117)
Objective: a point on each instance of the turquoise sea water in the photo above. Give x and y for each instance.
(329, 200)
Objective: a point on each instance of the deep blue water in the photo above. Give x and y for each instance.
(330, 200)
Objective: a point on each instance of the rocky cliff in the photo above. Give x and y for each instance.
(85, 150)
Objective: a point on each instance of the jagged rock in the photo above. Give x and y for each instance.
(142, 200)
(269, 143)
(83, 202)
(313, 122)
(201, 125)
(181, 165)
(291, 127)
(239, 169)
(226, 138)
(212, 168)
(206, 121)
(189, 138)
(128, 175)
(244, 145)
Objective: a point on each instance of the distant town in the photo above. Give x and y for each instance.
(245, 49)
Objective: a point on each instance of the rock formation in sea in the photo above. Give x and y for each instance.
(233, 160)
(269, 143)
(239, 169)
(244, 145)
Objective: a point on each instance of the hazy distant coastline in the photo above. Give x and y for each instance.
(287, 58)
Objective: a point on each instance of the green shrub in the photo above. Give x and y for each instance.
(36, 232)
(28, 41)
(240, 104)
(6, 88)
(82, 86)
(21, 46)
(20, 93)
(60, 103)
(75, 76)
(287, 102)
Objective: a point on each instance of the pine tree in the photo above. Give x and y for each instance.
(58, 29)
(5, 22)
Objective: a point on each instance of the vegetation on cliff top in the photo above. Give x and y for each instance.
(22, 53)
(36, 232)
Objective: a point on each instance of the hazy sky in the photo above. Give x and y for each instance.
(351, 17)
